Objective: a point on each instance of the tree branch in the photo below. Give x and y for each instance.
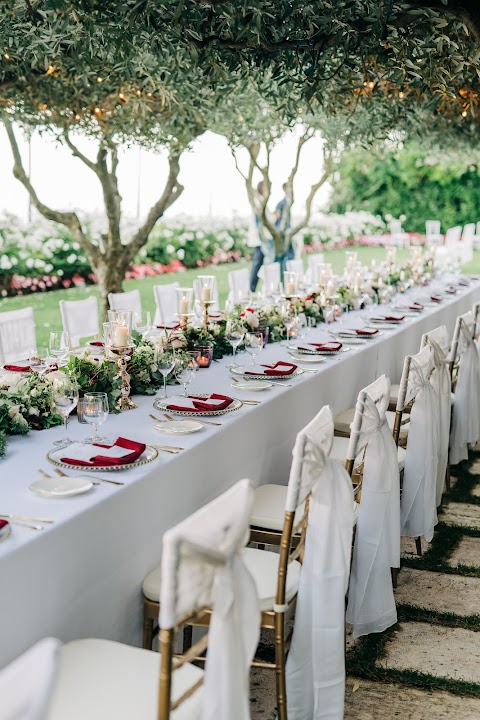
(77, 153)
(171, 192)
(69, 219)
(327, 172)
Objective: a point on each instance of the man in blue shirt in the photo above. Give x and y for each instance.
(282, 217)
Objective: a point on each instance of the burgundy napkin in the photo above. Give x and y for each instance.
(4, 525)
(101, 460)
(332, 346)
(169, 326)
(367, 331)
(17, 368)
(96, 343)
(451, 290)
(389, 318)
(202, 404)
(436, 298)
(279, 369)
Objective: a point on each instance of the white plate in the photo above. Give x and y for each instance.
(61, 486)
(163, 403)
(54, 456)
(309, 353)
(254, 385)
(239, 370)
(179, 427)
(306, 358)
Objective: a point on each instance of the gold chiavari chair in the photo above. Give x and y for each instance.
(101, 679)
(276, 575)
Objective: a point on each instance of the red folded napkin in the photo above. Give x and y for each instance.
(4, 525)
(367, 331)
(101, 460)
(17, 368)
(390, 318)
(96, 343)
(280, 368)
(169, 326)
(436, 298)
(202, 404)
(332, 346)
(451, 291)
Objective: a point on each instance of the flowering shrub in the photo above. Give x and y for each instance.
(331, 230)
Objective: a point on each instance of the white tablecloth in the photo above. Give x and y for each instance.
(82, 577)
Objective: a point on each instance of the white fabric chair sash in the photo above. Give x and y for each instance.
(315, 671)
(466, 409)
(418, 507)
(295, 266)
(166, 302)
(17, 334)
(442, 384)
(202, 565)
(239, 284)
(371, 604)
(26, 684)
(80, 319)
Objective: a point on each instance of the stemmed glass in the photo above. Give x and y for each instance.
(165, 362)
(254, 343)
(59, 345)
(234, 333)
(184, 370)
(95, 411)
(288, 317)
(65, 398)
(143, 323)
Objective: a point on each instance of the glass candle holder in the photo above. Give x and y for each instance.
(204, 355)
(207, 283)
(290, 283)
(120, 330)
(184, 301)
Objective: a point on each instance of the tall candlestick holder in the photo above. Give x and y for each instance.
(184, 307)
(207, 286)
(119, 349)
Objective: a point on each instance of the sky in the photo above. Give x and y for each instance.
(213, 186)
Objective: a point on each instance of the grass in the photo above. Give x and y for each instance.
(47, 313)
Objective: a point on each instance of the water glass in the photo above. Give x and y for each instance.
(184, 370)
(65, 398)
(59, 345)
(143, 323)
(95, 411)
(254, 343)
(234, 333)
(165, 362)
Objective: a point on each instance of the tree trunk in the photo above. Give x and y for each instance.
(110, 272)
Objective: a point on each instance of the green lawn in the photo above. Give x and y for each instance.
(47, 313)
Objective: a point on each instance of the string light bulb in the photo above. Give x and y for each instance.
(121, 96)
(401, 95)
(99, 79)
(6, 56)
(50, 70)
(464, 113)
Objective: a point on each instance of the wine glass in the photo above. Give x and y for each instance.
(184, 370)
(254, 343)
(143, 323)
(39, 359)
(288, 319)
(95, 411)
(65, 398)
(59, 345)
(165, 362)
(234, 333)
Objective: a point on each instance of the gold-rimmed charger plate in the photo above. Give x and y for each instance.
(163, 403)
(299, 351)
(149, 454)
(6, 533)
(240, 371)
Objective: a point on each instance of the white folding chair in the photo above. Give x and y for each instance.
(202, 567)
(27, 683)
(376, 551)
(295, 266)
(80, 319)
(17, 334)
(442, 383)
(467, 242)
(239, 284)
(126, 301)
(271, 276)
(166, 302)
(197, 290)
(465, 428)
(433, 232)
(418, 507)
(313, 261)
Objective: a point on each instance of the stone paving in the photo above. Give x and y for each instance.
(441, 649)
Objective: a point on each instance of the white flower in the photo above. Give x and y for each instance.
(180, 253)
(252, 320)
(170, 249)
(71, 258)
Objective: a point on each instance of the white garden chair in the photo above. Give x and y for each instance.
(126, 301)
(433, 232)
(313, 261)
(465, 428)
(17, 334)
(295, 266)
(239, 284)
(466, 243)
(202, 567)
(80, 319)
(166, 303)
(271, 276)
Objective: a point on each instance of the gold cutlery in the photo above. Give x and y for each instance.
(100, 479)
(267, 379)
(62, 474)
(26, 518)
(170, 450)
(23, 523)
(169, 417)
(251, 402)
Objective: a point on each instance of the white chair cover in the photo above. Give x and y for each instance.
(315, 671)
(166, 302)
(197, 290)
(442, 384)
(418, 507)
(80, 319)
(313, 262)
(26, 684)
(371, 604)
(271, 276)
(239, 284)
(466, 408)
(126, 301)
(17, 334)
(295, 266)
(202, 565)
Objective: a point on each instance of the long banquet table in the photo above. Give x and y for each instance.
(82, 576)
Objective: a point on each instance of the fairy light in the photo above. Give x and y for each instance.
(121, 96)
(371, 84)
(77, 117)
(97, 111)
(50, 70)
(149, 94)
(6, 56)
(401, 95)
(464, 113)
(99, 79)
(138, 93)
